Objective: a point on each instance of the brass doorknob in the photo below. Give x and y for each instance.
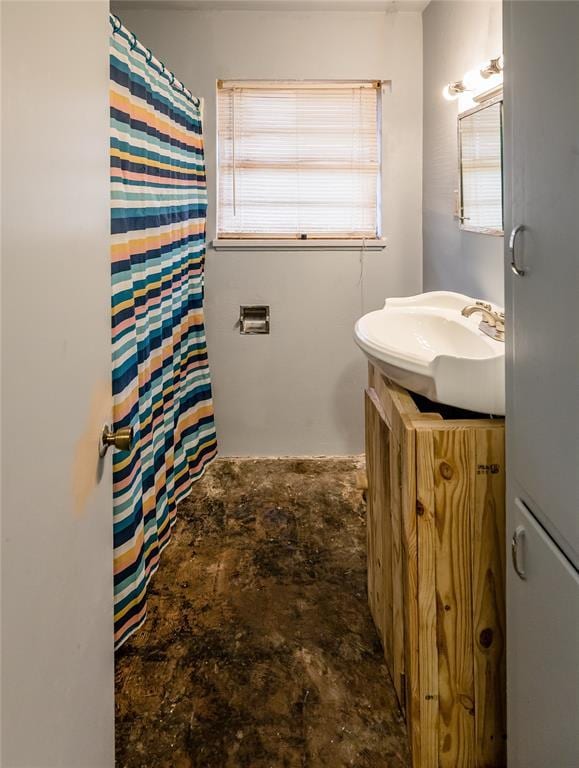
(121, 439)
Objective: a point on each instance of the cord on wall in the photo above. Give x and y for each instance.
(361, 276)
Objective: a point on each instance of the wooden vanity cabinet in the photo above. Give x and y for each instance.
(436, 572)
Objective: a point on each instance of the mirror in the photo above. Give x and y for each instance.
(480, 145)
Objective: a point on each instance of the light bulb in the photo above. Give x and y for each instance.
(448, 95)
(473, 80)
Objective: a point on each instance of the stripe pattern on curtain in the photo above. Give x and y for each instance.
(161, 381)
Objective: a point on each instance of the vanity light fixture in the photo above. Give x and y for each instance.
(474, 79)
(453, 90)
(492, 67)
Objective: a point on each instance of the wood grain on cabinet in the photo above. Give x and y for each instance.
(436, 573)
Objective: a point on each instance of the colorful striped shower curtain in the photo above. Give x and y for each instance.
(161, 382)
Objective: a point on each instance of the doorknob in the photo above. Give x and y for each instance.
(512, 241)
(122, 439)
(517, 553)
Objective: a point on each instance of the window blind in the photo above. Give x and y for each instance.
(298, 159)
(481, 168)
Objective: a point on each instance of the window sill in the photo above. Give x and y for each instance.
(482, 230)
(358, 244)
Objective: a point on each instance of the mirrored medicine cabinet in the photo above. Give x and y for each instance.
(480, 152)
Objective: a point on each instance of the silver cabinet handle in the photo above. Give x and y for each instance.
(517, 544)
(512, 240)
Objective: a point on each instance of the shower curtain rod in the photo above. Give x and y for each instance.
(156, 64)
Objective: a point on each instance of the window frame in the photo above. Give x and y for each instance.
(489, 101)
(322, 241)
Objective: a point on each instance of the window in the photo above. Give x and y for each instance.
(481, 173)
(298, 160)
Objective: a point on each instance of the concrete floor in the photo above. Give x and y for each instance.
(259, 649)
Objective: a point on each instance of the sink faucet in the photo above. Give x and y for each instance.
(493, 323)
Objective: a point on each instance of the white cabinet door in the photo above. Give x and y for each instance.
(542, 194)
(542, 651)
(57, 591)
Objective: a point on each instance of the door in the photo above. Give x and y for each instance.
(542, 194)
(57, 623)
(384, 536)
(379, 527)
(543, 642)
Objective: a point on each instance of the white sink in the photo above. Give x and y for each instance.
(424, 344)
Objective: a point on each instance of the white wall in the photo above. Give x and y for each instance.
(298, 391)
(457, 36)
(57, 686)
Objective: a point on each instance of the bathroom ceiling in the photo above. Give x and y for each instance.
(416, 6)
